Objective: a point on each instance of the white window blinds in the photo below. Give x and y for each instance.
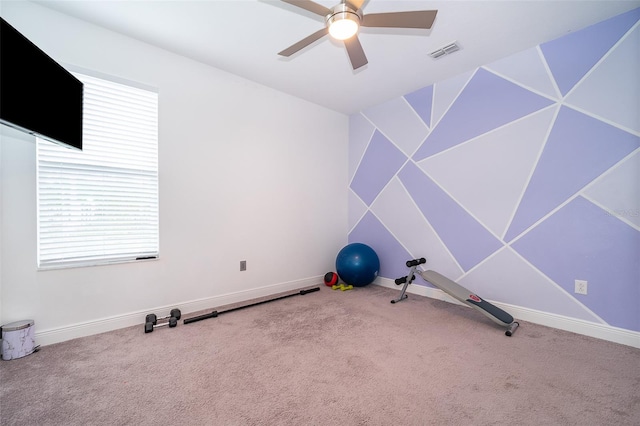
(100, 205)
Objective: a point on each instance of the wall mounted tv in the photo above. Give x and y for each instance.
(37, 95)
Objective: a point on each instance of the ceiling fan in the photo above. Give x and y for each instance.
(343, 21)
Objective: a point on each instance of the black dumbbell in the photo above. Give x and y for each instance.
(149, 326)
(152, 318)
(151, 321)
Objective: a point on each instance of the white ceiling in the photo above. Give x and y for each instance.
(244, 36)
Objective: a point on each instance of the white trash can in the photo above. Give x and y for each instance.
(17, 339)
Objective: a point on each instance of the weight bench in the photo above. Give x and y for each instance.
(457, 291)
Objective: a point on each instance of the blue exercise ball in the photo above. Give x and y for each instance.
(357, 264)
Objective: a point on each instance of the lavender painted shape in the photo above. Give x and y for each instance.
(379, 164)
(578, 150)
(487, 102)
(466, 238)
(421, 101)
(569, 59)
(582, 241)
(392, 254)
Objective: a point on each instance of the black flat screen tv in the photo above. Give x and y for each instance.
(37, 95)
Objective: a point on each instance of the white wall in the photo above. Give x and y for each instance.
(246, 173)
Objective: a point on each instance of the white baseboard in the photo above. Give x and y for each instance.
(587, 328)
(600, 331)
(61, 334)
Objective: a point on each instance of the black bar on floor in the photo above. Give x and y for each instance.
(201, 317)
(216, 313)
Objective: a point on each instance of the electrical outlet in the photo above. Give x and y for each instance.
(243, 265)
(581, 287)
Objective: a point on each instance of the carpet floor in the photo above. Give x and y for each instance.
(328, 358)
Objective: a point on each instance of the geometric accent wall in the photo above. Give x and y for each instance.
(515, 179)
(579, 148)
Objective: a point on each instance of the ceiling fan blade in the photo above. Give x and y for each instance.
(355, 4)
(416, 19)
(304, 42)
(356, 53)
(316, 8)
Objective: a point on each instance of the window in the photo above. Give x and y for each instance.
(100, 205)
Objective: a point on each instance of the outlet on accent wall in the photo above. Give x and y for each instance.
(581, 287)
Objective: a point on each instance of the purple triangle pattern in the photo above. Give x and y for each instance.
(421, 101)
(569, 59)
(468, 241)
(393, 256)
(578, 150)
(379, 164)
(487, 102)
(581, 241)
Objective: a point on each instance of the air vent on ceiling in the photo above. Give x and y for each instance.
(445, 50)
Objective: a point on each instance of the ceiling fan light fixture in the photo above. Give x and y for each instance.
(344, 28)
(343, 22)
